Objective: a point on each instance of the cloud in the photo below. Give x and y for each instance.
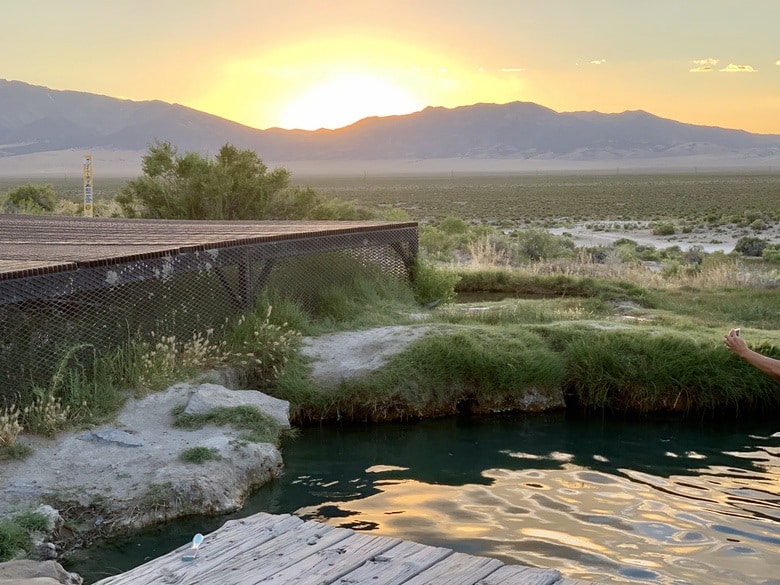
(703, 65)
(511, 69)
(598, 61)
(731, 68)
(777, 62)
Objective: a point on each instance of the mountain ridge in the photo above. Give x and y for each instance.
(36, 119)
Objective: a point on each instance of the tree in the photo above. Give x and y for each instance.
(235, 185)
(31, 199)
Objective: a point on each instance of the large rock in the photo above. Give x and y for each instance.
(36, 573)
(132, 474)
(349, 355)
(206, 397)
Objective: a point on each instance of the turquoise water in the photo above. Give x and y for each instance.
(612, 501)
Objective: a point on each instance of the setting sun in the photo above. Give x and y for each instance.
(345, 100)
(309, 64)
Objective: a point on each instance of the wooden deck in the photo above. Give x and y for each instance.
(281, 549)
(31, 244)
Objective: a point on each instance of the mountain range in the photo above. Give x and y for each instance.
(36, 119)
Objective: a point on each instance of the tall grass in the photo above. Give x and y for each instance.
(475, 367)
(662, 371)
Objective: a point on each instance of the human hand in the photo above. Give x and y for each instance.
(735, 343)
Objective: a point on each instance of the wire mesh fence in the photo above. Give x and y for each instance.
(55, 311)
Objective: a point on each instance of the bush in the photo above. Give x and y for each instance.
(260, 348)
(433, 285)
(771, 254)
(31, 199)
(664, 228)
(536, 244)
(750, 246)
(453, 225)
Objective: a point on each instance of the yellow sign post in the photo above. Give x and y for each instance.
(87, 185)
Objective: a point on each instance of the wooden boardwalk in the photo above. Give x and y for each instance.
(33, 244)
(282, 549)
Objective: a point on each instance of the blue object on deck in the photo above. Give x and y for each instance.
(193, 550)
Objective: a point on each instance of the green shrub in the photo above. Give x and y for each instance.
(664, 228)
(453, 225)
(537, 244)
(31, 199)
(259, 347)
(750, 246)
(14, 540)
(771, 253)
(16, 534)
(432, 284)
(15, 451)
(200, 455)
(438, 243)
(32, 521)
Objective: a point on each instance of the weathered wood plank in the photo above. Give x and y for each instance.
(329, 564)
(397, 565)
(282, 549)
(517, 575)
(275, 555)
(233, 539)
(457, 569)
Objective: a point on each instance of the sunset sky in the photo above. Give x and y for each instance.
(311, 64)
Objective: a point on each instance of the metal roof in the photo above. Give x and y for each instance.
(32, 244)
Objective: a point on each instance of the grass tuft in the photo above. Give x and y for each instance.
(256, 426)
(200, 455)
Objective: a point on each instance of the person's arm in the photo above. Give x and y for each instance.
(735, 344)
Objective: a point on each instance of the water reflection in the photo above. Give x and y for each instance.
(608, 501)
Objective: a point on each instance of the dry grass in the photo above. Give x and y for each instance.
(10, 427)
(483, 255)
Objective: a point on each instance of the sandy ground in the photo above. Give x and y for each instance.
(709, 239)
(127, 163)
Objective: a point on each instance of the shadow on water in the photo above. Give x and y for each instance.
(624, 500)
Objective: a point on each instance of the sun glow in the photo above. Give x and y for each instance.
(331, 83)
(346, 99)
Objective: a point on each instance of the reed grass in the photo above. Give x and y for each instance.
(643, 371)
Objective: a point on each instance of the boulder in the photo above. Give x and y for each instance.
(25, 572)
(206, 397)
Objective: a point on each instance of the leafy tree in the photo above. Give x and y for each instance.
(31, 199)
(235, 185)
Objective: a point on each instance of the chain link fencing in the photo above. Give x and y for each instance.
(53, 314)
